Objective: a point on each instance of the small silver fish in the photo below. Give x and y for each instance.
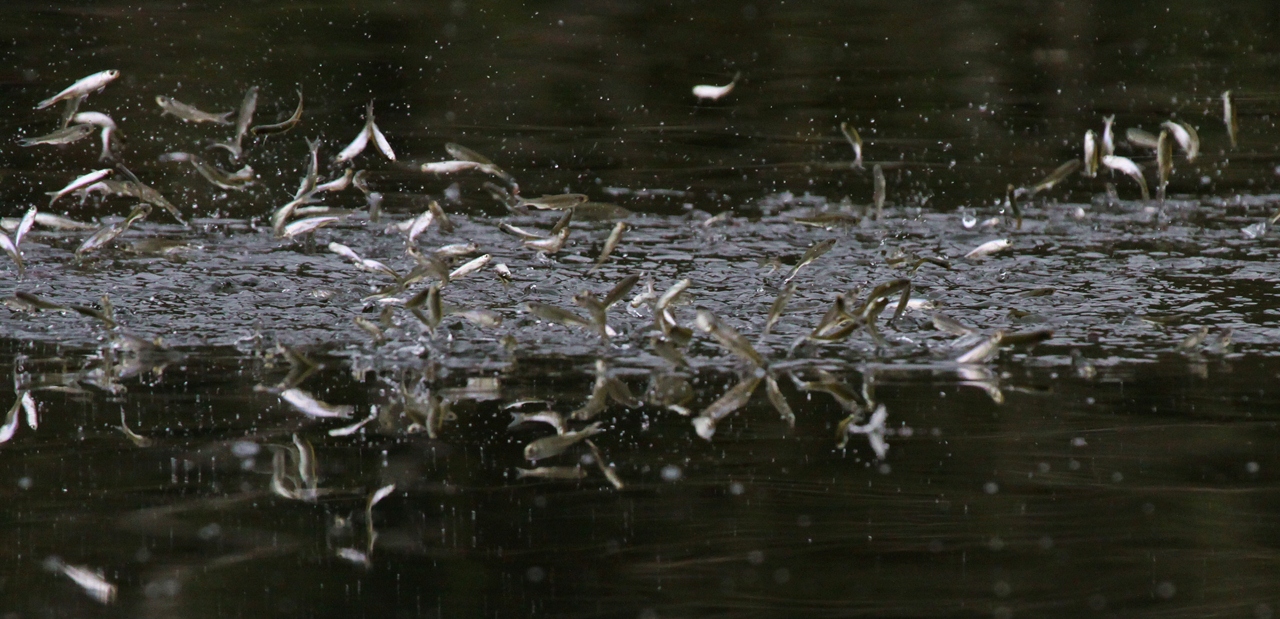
(855, 140)
(878, 193)
(1186, 135)
(1141, 139)
(549, 245)
(306, 404)
(988, 248)
(67, 135)
(283, 126)
(814, 252)
(552, 472)
(470, 267)
(712, 93)
(81, 181)
(732, 400)
(984, 350)
(610, 244)
(81, 88)
(1229, 118)
(1090, 154)
(182, 111)
(779, 305)
(556, 444)
(551, 313)
(1056, 176)
(109, 233)
(1126, 166)
(779, 401)
(311, 224)
(608, 471)
(1164, 163)
(1108, 136)
(90, 581)
(551, 418)
(728, 337)
(243, 119)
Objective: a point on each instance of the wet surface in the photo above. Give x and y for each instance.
(1119, 464)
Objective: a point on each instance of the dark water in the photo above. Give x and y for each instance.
(1109, 470)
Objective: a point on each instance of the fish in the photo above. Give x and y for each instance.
(874, 430)
(470, 267)
(66, 135)
(828, 220)
(1126, 166)
(283, 126)
(1056, 176)
(551, 313)
(109, 130)
(247, 106)
(1229, 118)
(380, 141)
(171, 106)
(610, 244)
(1090, 154)
(728, 337)
(552, 472)
(732, 400)
(549, 245)
(306, 404)
(712, 93)
(81, 181)
(337, 184)
(503, 272)
(878, 193)
(35, 303)
(814, 252)
(134, 437)
(779, 305)
(310, 224)
(779, 401)
(943, 322)
(237, 181)
(551, 418)
(667, 350)
(620, 290)
(855, 140)
(1164, 163)
(1194, 340)
(607, 470)
(358, 144)
(442, 219)
(984, 350)
(670, 295)
(556, 444)
(109, 233)
(82, 87)
(988, 248)
(462, 153)
(371, 328)
(1186, 135)
(1141, 139)
(90, 581)
(1108, 136)
(1011, 198)
(11, 421)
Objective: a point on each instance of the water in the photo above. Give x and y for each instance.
(1108, 470)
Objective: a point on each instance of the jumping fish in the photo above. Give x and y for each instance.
(169, 105)
(67, 135)
(610, 244)
(552, 472)
(1186, 135)
(988, 248)
(81, 88)
(243, 119)
(81, 181)
(1141, 139)
(1090, 154)
(1056, 176)
(732, 400)
(306, 404)
(1229, 118)
(1126, 166)
(712, 93)
(556, 444)
(878, 192)
(284, 126)
(855, 140)
(1164, 163)
(1108, 136)
(814, 252)
(108, 126)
